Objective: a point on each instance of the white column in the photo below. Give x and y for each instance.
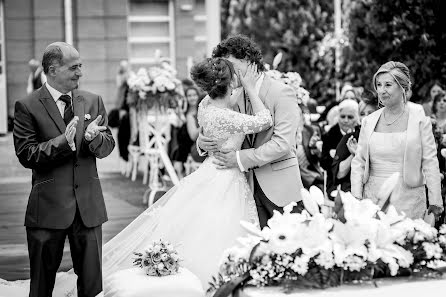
(3, 98)
(213, 28)
(338, 32)
(68, 9)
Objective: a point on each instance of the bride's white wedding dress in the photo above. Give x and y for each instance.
(201, 216)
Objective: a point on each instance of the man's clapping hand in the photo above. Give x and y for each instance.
(94, 129)
(70, 131)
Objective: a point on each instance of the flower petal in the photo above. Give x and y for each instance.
(309, 203)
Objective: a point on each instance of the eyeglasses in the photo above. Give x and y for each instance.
(350, 117)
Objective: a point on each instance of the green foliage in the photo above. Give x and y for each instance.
(409, 31)
(294, 27)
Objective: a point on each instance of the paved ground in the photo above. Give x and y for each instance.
(122, 197)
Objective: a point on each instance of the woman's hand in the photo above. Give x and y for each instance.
(250, 78)
(436, 210)
(352, 145)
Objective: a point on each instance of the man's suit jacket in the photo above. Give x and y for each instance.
(420, 154)
(273, 154)
(61, 178)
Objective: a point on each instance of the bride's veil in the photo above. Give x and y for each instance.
(117, 253)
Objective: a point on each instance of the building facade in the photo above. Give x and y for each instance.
(105, 32)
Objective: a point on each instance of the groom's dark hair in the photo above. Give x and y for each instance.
(241, 47)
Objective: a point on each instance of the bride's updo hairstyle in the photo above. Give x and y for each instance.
(213, 75)
(400, 74)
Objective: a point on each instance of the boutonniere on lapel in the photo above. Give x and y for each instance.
(87, 116)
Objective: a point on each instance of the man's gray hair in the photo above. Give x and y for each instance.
(53, 54)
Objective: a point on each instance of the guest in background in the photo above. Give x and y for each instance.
(439, 128)
(308, 154)
(122, 108)
(397, 138)
(332, 114)
(439, 110)
(188, 132)
(346, 149)
(348, 119)
(36, 77)
(433, 90)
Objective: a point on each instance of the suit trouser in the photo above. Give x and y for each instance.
(265, 208)
(45, 248)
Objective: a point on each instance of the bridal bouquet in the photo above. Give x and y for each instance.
(156, 86)
(324, 247)
(294, 80)
(160, 259)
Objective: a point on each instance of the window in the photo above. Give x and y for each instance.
(150, 28)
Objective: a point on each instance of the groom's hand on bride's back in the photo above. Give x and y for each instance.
(225, 159)
(206, 143)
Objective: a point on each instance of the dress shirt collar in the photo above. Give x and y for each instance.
(55, 93)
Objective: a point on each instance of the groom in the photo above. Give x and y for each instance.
(59, 131)
(269, 156)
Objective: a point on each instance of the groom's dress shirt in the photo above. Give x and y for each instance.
(258, 86)
(60, 104)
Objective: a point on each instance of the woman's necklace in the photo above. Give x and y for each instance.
(396, 119)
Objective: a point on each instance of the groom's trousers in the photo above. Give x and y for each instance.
(45, 247)
(266, 208)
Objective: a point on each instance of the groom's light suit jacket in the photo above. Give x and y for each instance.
(61, 179)
(272, 156)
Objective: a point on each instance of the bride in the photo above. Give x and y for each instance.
(201, 216)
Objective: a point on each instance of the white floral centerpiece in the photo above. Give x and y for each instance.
(160, 259)
(156, 86)
(152, 91)
(355, 241)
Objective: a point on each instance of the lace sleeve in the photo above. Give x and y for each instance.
(234, 122)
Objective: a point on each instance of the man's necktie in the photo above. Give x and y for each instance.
(68, 114)
(248, 111)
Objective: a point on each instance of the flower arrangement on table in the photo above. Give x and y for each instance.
(154, 90)
(325, 247)
(160, 259)
(156, 86)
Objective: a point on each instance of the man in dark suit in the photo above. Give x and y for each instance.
(59, 131)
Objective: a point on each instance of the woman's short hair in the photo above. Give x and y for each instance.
(400, 74)
(437, 98)
(351, 105)
(213, 75)
(52, 54)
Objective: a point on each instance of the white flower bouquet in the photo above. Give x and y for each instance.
(325, 247)
(160, 259)
(156, 86)
(294, 80)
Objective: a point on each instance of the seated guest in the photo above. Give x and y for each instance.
(331, 114)
(346, 149)
(308, 154)
(348, 119)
